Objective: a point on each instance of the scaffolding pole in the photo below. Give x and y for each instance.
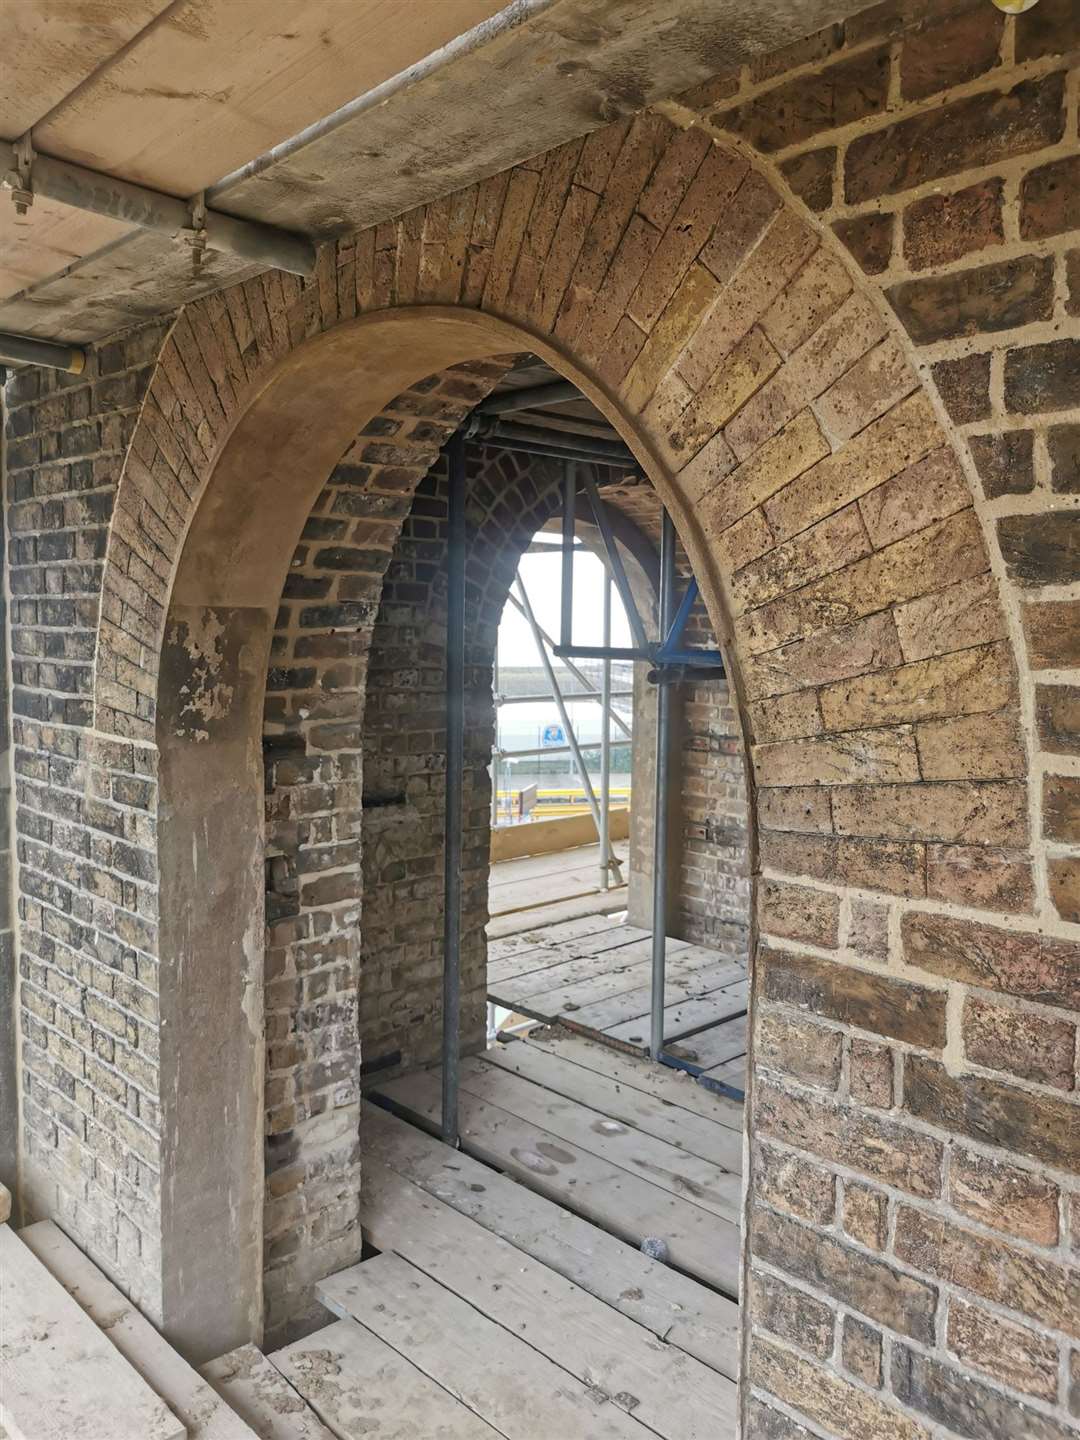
(660, 826)
(579, 675)
(556, 695)
(455, 772)
(607, 860)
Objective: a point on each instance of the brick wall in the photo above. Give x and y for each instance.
(904, 636)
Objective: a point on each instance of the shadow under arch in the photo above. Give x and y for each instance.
(269, 469)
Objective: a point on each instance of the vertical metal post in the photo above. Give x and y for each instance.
(605, 743)
(455, 770)
(660, 826)
(566, 630)
(495, 747)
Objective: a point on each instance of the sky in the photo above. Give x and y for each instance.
(542, 575)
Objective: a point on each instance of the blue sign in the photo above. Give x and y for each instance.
(553, 735)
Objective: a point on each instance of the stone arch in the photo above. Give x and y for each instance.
(812, 482)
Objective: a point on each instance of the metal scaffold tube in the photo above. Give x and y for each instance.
(455, 771)
(660, 826)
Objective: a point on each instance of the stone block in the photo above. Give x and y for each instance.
(1004, 1197)
(835, 991)
(868, 934)
(1029, 966)
(784, 717)
(878, 1148)
(945, 227)
(809, 1052)
(872, 386)
(1005, 462)
(949, 139)
(1041, 549)
(871, 1286)
(812, 177)
(797, 447)
(804, 809)
(972, 812)
(1027, 1045)
(869, 644)
(816, 292)
(1012, 1354)
(1042, 1127)
(798, 912)
(956, 618)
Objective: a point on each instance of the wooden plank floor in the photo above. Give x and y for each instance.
(615, 1159)
(592, 976)
(542, 889)
(504, 1292)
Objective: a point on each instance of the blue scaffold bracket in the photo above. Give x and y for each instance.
(671, 652)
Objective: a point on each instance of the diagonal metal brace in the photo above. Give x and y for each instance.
(618, 573)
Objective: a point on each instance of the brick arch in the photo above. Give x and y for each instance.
(815, 486)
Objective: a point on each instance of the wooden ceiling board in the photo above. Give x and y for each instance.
(50, 46)
(46, 239)
(218, 82)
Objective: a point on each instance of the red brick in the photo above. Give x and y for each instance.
(870, 240)
(964, 386)
(1000, 296)
(834, 96)
(1050, 199)
(812, 177)
(947, 54)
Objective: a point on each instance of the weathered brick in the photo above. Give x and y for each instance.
(1043, 377)
(1063, 879)
(1005, 462)
(965, 682)
(898, 869)
(791, 113)
(939, 56)
(1061, 808)
(1030, 966)
(1020, 1202)
(1063, 443)
(809, 1052)
(799, 1187)
(798, 912)
(791, 1314)
(860, 998)
(1055, 30)
(851, 758)
(849, 650)
(941, 228)
(797, 447)
(812, 176)
(878, 1148)
(865, 1214)
(871, 1072)
(987, 813)
(945, 1394)
(819, 288)
(1039, 1288)
(860, 1350)
(988, 298)
(801, 808)
(1050, 199)
(952, 138)
(870, 1286)
(869, 931)
(980, 876)
(846, 1410)
(1013, 1354)
(1029, 1046)
(765, 1423)
(898, 439)
(1043, 1127)
(1052, 632)
(870, 240)
(964, 386)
